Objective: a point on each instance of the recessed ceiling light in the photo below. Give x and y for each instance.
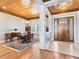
(63, 8)
(4, 7)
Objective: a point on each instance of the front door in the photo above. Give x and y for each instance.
(64, 29)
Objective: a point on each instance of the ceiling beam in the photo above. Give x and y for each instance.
(50, 3)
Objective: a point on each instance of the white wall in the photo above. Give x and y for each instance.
(76, 23)
(8, 23)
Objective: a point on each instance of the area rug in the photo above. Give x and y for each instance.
(20, 46)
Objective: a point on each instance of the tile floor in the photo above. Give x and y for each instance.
(68, 48)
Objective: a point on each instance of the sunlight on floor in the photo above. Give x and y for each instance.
(68, 48)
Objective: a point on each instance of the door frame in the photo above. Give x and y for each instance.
(69, 14)
(68, 27)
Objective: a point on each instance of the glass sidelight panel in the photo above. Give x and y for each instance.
(55, 32)
(71, 28)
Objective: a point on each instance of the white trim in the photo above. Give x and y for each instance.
(75, 22)
(50, 3)
(48, 12)
(65, 14)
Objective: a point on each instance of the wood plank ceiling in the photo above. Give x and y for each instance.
(17, 8)
(70, 6)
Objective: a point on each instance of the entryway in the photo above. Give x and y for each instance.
(64, 29)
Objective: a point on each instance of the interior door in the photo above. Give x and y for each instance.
(64, 29)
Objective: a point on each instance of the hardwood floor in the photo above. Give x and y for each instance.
(53, 55)
(32, 52)
(6, 53)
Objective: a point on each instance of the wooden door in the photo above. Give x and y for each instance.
(64, 29)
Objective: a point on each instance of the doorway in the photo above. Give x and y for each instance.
(64, 29)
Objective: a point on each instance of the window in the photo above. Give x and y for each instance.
(35, 26)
